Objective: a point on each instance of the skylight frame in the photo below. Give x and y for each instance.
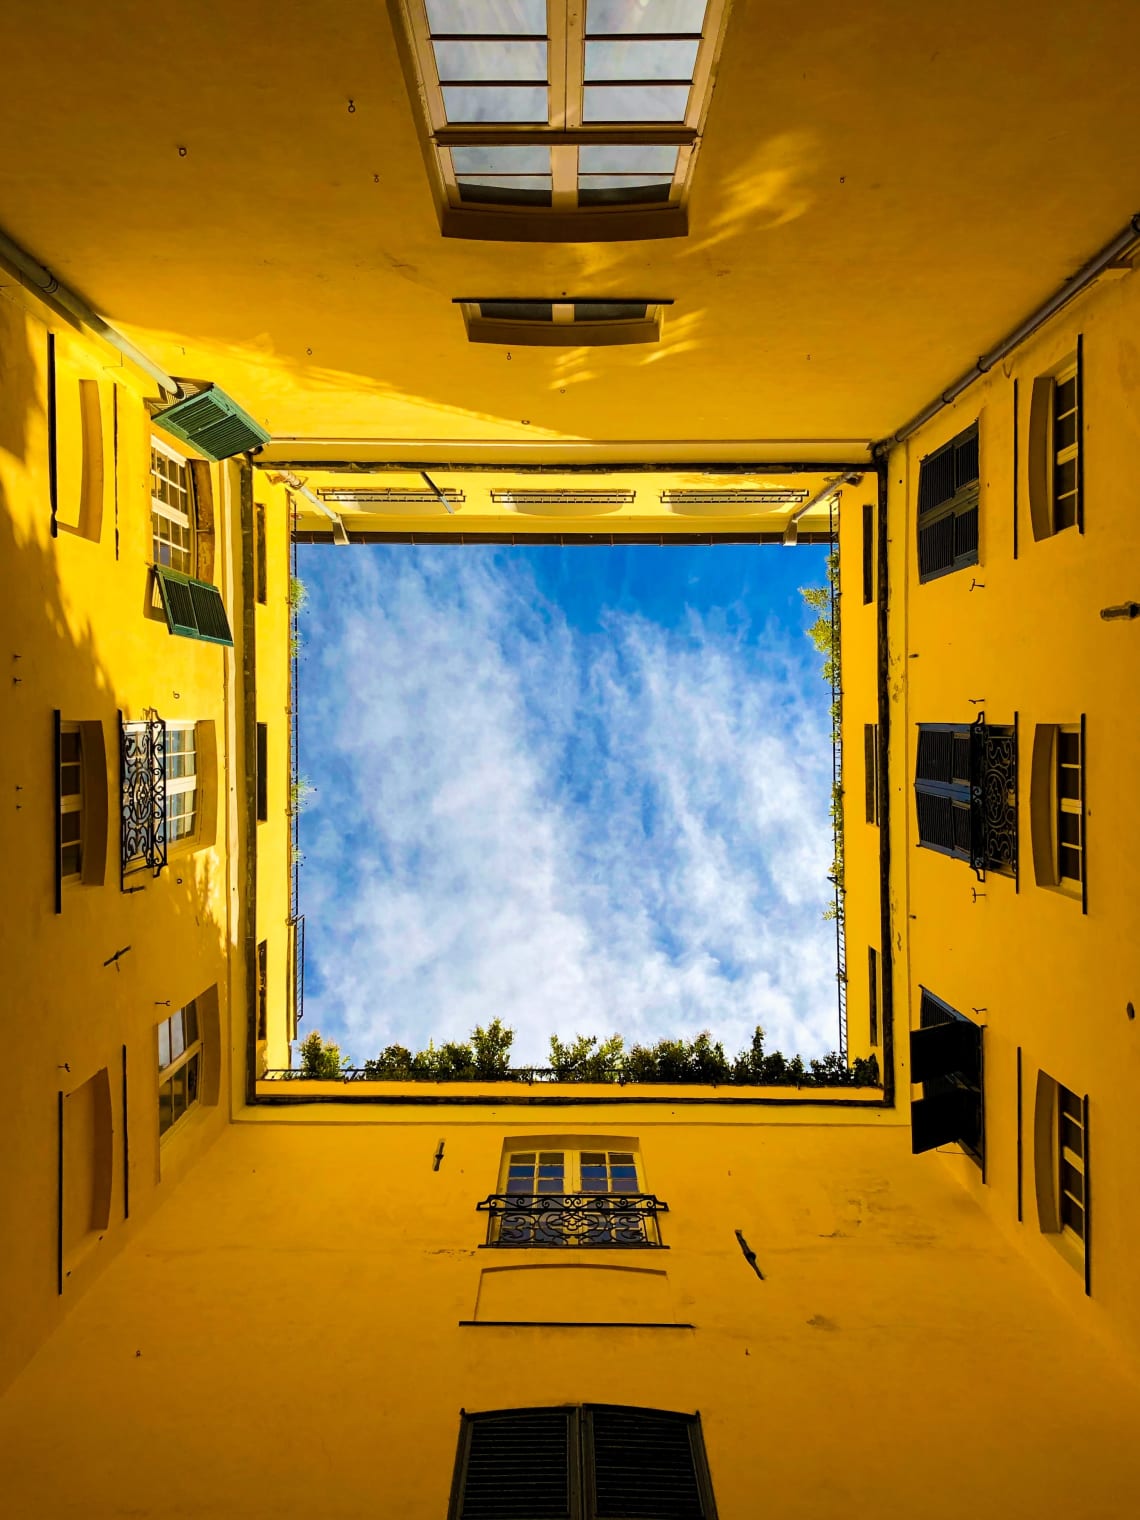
(654, 207)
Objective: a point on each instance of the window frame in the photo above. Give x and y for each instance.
(182, 786)
(1045, 459)
(71, 803)
(164, 512)
(564, 131)
(561, 330)
(1055, 1104)
(189, 1059)
(1048, 806)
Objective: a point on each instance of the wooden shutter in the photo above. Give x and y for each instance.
(194, 609)
(644, 1464)
(946, 1057)
(948, 486)
(871, 769)
(517, 1464)
(942, 789)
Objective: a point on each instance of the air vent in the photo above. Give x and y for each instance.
(393, 498)
(563, 498)
(684, 501)
(213, 424)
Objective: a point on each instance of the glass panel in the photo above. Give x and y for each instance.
(522, 1158)
(190, 1022)
(1069, 782)
(178, 1093)
(1069, 747)
(1073, 1215)
(1065, 478)
(473, 102)
(70, 827)
(593, 1158)
(490, 60)
(609, 16)
(516, 190)
(71, 860)
(1065, 432)
(625, 158)
(1072, 1182)
(503, 160)
(1066, 396)
(192, 1079)
(517, 311)
(177, 1035)
(608, 311)
(618, 190)
(69, 747)
(497, 18)
(640, 60)
(651, 102)
(164, 1043)
(1070, 862)
(69, 780)
(1071, 1105)
(1069, 825)
(1072, 1137)
(165, 1107)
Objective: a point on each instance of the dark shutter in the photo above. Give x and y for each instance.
(948, 486)
(942, 1049)
(942, 789)
(643, 1464)
(517, 1465)
(262, 772)
(871, 769)
(966, 538)
(936, 479)
(936, 548)
(194, 609)
(966, 459)
(941, 1120)
(868, 552)
(946, 1057)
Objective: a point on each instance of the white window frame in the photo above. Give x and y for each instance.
(71, 803)
(182, 787)
(182, 557)
(188, 1059)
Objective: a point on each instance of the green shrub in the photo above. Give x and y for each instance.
(321, 1060)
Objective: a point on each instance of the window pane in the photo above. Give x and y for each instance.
(177, 1036)
(1069, 825)
(1069, 747)
(1071, 1105)
(652, 102)
(192, 1079)
(1066, 396)
(178, 1093)
(490, 60)
(593, 1158)
(164, 1043)
(1070, 862)
(504, 160)
(165, 1107)
(522, 1158)
(498, 18)
(619, 190)
(517, 311)
(1073, 1215)
(640, 60)
(70, 828)
(1069, 782)
(71, 860)
(470, 103)
(190, 1022)
(1065, 432)
(650, 16)
(515, 190)
(1065, 478)
(1072, 1182)
(69, 747)
(1072, 1136)
(608, 311)
(626, 158)
(69, 780)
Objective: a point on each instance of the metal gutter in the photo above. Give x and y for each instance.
(886, 957)
(45, 283)
(297, 485)
(1108, 256)
(832, 488)
(517, 467)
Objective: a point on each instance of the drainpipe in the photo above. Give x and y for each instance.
(46, 283)
(831, 489)
(295, 483)
(1109, 255)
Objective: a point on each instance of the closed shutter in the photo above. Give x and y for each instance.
(517, 1464)
(871, 769)
(948, 487)
(942, 789)
(643, 1464)
(194, 609)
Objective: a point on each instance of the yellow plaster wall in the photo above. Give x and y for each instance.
(286, 1332)
(78, 635)
(1028, 641)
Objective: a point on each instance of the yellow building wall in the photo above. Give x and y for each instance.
(85, 988)
(285, 1335)
(1021, 638)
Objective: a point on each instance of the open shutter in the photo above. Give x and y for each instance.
(213, 423)
(942, 789)
(946, 1057)
(194, 609)
(519, 1464)
(644, 1464)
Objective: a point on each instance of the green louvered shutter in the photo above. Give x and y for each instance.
(212, 423)
(194, 609)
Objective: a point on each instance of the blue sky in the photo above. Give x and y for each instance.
(583, 789)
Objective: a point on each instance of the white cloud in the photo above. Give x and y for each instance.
(574, 833)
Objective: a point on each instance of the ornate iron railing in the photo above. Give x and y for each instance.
(142, 787)
(573, 1219)
(993, 798)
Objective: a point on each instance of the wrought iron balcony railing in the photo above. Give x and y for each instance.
(573, 1219)
(993, 798)
(142, 777)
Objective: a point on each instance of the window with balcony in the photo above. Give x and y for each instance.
(563, 323)
(949, 487)
(161, 771)
(946, 1058)
(965, 793)
(563, 120)
(562, 1195)
(1061, 1163)
(1058, 807)
(1056, 476)
(179, 1066)
(594, 1462)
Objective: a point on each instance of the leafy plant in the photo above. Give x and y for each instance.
(298, 593)
(824, 634)
(321, 1060)
(301, 791)
(587, 1059)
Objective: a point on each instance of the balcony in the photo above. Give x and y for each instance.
(573, 1219)
(142, 775)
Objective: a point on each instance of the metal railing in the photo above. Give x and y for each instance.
(573, 1219)
(837, 782)
(142, 794)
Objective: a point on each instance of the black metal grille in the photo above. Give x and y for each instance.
(966, 793)
(142, 773)
(573, 1219)
(993, 798)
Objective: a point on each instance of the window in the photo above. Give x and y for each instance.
(564, 323)
(260, 548)
(868, 553)
(1061, 1158)
(873, 992)
(179, 1066)
(262, 772)
(566, 1196)
(558, 120)
(871, 769)
(70, 802)
(965, 793)
(181, 781)
(1055, 464)
(262, 990)
(171, 509)
(597, 1462)
(1058, 806)
(946, 1057)
(948, 495)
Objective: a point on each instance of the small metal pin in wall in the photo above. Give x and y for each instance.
(977, 585)
(352, 107)
(437, 1159)
(181, 151)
